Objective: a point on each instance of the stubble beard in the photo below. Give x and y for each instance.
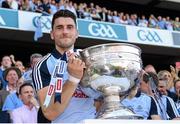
(65, 45)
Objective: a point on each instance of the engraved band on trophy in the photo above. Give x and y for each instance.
(112, 69)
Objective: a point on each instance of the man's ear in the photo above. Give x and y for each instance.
(52, 36)
(20, 96)
(77, 34)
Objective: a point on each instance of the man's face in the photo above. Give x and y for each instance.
(64, 32)
(162, 87)
(20, 65)
(166, 76)
(6, 62)
(143, 85)
(12, 77)
(177, 87)
(26, 94)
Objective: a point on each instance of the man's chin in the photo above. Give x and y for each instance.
(67, 46)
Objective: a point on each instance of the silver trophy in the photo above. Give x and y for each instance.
(111, 70)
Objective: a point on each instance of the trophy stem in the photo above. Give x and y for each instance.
(112, 108)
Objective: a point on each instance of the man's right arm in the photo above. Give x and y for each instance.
(75, 68)
(55, 109)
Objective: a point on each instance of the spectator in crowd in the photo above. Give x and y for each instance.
(168, 24)
(167, 102)
(95, 16)
(11, 75)
(61, 5)
(25, 5)
(143, 21)
(92, 8)
(87, 14)
(161, 22)
(80, 11)
(103, 14)
(115, 17)
(152, 21)
(123, 20)
(9, 98)
(150, 68)
(141, 103)
(34, 58)
(177, 89)
(174, 74)
(12, 101)
(166, 75)
(19, 64)
(176, 24)
(133, 20)
(48, 7)
(70, 7)
(72, 108)
(28, 112)
(5, 63)
(35, 6)
(110, 16)
(162, 87)
(44, 7)
(53, 6)
(4, 115)
(166, 105)
(10, 4)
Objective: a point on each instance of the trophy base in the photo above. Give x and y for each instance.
(113, 109)
(121, 113)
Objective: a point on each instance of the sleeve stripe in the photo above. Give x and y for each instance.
(173, 107)
(36, 73)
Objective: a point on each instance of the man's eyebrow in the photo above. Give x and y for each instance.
(60, 25)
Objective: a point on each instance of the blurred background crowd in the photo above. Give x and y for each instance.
(93, 12)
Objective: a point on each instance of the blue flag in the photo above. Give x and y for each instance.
(38, 32)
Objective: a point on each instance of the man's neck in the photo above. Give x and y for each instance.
(30, 106)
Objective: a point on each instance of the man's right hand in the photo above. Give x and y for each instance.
(75, 66)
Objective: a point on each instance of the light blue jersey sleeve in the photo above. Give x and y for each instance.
(12, 102)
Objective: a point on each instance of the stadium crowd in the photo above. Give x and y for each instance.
(19, 103)
(93, 12)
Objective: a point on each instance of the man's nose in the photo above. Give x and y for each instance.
(65, 30)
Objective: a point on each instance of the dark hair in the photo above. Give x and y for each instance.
(23, 85)
(63, 13)
(148, 75)
(9, 69)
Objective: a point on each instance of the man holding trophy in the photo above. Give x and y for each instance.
(67, 86)
(56, 77)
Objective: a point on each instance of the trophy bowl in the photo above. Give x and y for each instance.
(111, 70)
